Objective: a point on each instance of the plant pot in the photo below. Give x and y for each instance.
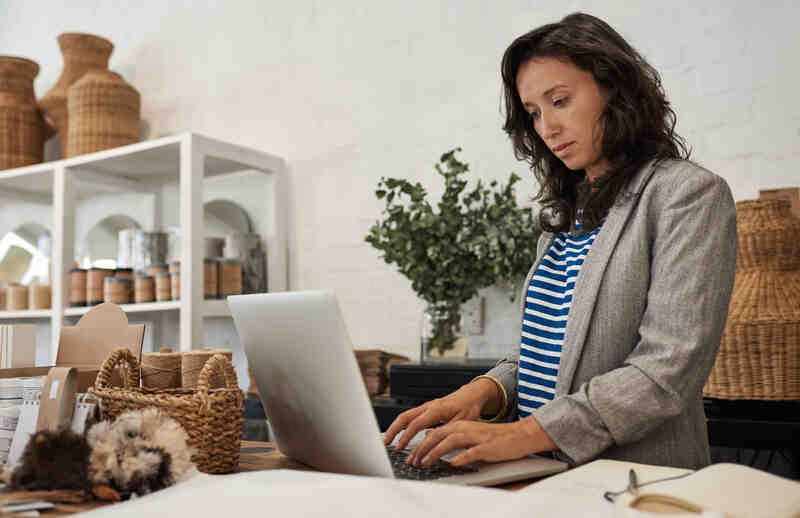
(441, 337)
(22, 126)
(81, 52)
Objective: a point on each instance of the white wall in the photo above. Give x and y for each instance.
(350, 91)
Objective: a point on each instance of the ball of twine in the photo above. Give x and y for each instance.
(192, 363)
(161, 370)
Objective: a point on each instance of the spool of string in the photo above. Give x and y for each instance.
(192, 363)
(161, 370)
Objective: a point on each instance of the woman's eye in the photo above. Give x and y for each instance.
(560, 102)
(535, 116)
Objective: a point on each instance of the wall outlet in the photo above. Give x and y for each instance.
(473, 316)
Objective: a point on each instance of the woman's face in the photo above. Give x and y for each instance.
(565, 104)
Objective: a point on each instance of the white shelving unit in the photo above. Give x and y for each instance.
(184, 160)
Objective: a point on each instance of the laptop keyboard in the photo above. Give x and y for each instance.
(436, 470)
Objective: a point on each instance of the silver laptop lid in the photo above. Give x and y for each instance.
(311, 387)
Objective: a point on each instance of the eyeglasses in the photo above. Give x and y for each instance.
(634, 485)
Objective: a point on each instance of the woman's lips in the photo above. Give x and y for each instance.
(563, 149)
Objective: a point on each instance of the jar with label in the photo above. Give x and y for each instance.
(95, 279)
(230, 277)
(17, 297)
(211, 289)
(144, 289)
(77, 294)
(126, 273)
(163, 288)
(39, 296)
(117, 290)
(175, 285)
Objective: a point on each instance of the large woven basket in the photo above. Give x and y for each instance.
(759, 355)
(212, 417)
(104, 113)
(22, 126)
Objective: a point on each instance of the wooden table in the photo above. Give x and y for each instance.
(255, 456)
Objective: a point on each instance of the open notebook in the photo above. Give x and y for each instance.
(729, 490)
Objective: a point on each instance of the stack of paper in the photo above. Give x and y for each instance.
(17, 346)
(374, 365)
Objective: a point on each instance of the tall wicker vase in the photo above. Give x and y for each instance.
(103, 113)
(81, 52)
(759, 355)
(22, 127)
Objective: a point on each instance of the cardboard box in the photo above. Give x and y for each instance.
(789, 193)
(87, 344)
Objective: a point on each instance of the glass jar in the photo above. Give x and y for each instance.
(442, 336)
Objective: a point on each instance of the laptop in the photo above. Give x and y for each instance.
(303, 364)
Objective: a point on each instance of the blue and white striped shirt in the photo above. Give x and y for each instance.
(545, 320)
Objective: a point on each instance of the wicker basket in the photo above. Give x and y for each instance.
(82, 52)
(22, 126)
(103, 113)
(759, 355)
(212, 417)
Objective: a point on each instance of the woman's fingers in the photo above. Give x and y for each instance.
(452, 442)
(432, 439)
(401, 422)
(426, 419)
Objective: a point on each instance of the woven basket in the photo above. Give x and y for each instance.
(212, 417)
(759, 355)
(103, 113)
(81, 52)
(22, 127)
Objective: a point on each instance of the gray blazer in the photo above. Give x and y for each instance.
(647, 315)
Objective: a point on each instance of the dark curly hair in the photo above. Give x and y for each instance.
(638, 122)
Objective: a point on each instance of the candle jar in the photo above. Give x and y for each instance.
(144, 289)
(230, 277)
(211, 288)
(17, 297)
(77, 294)
(163, 288)
(117, 290)
(175, 284)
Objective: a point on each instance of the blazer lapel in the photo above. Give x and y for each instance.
(589, 278)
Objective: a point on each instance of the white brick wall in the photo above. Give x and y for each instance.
(352, 90)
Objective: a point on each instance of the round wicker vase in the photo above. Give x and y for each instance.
(759, 356)
(103, 113)
(81, 52)
(22, 127)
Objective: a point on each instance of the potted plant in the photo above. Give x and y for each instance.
(477, 238)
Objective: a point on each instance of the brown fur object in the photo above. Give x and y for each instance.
(53, 460)
(140, 452)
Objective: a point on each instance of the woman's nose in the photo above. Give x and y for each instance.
(549, 127)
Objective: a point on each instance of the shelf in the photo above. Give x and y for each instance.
(171, 305)
(211, 308)
(26, 313)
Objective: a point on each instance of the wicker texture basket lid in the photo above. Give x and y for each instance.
(759, 355)
(22, 127)
(103, 113)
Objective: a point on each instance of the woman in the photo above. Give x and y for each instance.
(624, 308)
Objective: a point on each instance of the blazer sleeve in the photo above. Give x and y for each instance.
(691, 278)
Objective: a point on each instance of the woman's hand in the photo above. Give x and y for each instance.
(465, 403)
(490, 442)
